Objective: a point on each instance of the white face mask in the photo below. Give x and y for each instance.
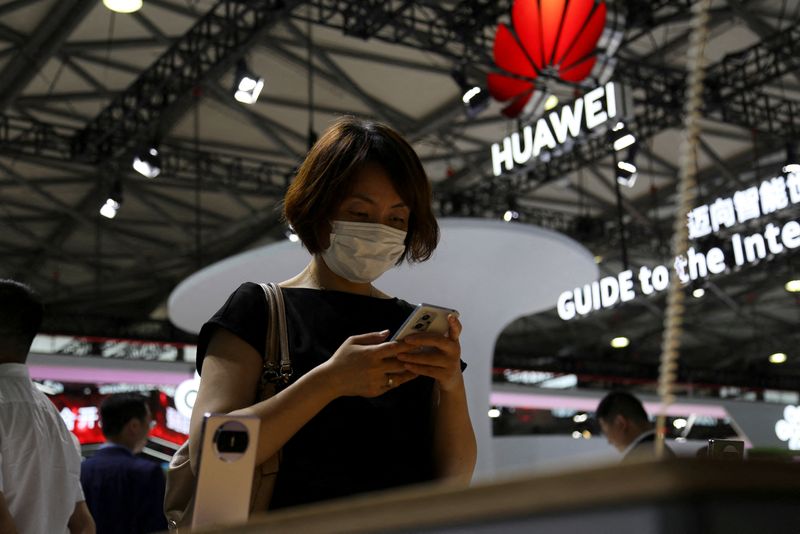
(361, 252)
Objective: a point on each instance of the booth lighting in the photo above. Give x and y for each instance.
(112, 204)
(550, 102)
(247, 86)
(793, 286)
(110, 208)
(148, 162)
(626, 168)
(698, 293)
(624, 142)
(475, 99)
(494, 413)
(470, 93)
(621, 137)
(620, 342)
(123, 6)
(777, 358)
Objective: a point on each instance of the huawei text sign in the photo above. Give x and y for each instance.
(587, 113)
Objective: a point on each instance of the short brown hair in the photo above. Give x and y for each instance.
(325, 177)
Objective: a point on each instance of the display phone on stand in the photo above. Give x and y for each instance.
(425, 319)
(227, 459)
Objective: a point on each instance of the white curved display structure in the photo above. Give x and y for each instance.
(491, 271)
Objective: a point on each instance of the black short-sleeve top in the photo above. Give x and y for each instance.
(354, 444)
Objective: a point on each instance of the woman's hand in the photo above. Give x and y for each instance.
(436, 356)
(366, 366)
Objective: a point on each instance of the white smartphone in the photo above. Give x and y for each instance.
(425, 319)
(225, 471)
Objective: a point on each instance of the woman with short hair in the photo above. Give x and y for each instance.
(360, 413)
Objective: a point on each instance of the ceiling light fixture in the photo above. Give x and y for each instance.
(777, 358)
(475, 99)
(621, 137)
(792, 286)
(148, 162)
(626, 167)
(620, 342)
(123, 6)
(112, 204)
(247, 85)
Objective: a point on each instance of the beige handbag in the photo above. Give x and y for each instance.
(181, 481)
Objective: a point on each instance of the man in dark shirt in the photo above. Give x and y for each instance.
(125, 493)
(623, 420)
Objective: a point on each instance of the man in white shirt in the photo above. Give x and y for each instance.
(40, 490)
(623, 420)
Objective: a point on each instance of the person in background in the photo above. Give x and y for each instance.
(40, 490)
(125, 493)
(360, 412)
(624, 422)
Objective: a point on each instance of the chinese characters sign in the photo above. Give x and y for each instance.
(771, 196)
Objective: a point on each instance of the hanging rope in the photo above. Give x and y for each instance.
(687, 192)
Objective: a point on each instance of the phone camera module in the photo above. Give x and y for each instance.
(231, 441)
(419, 326)
(426, 317)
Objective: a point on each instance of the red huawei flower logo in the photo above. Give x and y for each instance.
(549, 34)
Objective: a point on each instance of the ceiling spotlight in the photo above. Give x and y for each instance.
(621, 137)
(123, 6)
(626, 168)
(109, 209)
(247, 86)
(475, 99)
(777, 358)
(148, 162)
(291, 235)
(580, 417)
(792, 286)
(510, 215)
(698, 293)
(494, 413)
(550, 102)
(680, 423)
(620, 342)
(113, 202)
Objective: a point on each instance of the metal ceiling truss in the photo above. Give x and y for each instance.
(147, 110)
(216, 171)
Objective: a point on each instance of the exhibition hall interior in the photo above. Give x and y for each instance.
(617, 187)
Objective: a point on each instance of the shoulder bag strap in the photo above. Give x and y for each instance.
(277, 362)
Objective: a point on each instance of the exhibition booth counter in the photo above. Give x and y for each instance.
(684, 496)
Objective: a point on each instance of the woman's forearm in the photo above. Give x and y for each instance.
(285, 413)
(455, 449)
